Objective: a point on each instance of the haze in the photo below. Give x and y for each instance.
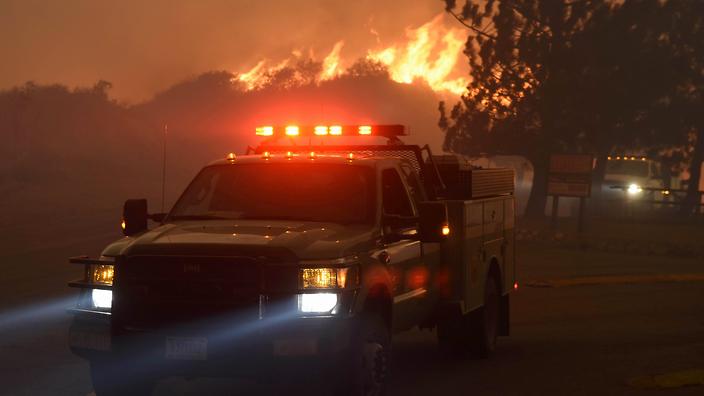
(143, 48)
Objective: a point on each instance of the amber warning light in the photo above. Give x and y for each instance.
(388, 131)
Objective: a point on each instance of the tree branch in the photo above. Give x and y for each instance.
(471, 27)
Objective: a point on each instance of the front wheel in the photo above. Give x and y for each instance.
(368, 372)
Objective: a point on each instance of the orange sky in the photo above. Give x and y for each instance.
(143, 48)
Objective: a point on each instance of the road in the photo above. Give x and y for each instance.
(620, 333)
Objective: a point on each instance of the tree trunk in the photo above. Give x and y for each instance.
(693, 198)
(598, 180)
(535, 208)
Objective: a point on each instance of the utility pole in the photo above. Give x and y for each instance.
(163, 171)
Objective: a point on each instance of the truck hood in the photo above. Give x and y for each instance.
(291, 239)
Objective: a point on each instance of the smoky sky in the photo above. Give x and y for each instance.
(143, 47)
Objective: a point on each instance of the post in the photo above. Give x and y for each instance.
(555, 203)
(580, 220)
(163, 171)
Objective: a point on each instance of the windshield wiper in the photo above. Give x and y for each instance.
(276, 217)
(199, 217)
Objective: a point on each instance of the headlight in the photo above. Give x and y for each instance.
(102, 299)
(317, 302)
(634, 189)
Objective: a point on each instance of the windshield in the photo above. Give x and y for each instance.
(630, 168)
(332, 193)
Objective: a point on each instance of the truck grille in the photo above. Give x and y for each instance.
(154, 291)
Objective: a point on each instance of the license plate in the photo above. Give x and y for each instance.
(183, 348)
(95, 341)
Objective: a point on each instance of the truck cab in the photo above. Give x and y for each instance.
(294, 257)
(635, 176)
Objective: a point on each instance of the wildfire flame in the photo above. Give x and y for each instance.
(431, 53)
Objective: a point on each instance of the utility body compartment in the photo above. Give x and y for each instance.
(482, 235)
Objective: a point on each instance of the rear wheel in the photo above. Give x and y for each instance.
(485, 327)
(475, 332)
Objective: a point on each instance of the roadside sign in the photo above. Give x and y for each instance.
(570, 175)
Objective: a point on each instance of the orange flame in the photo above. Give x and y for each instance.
(415, 60)
(430, 54)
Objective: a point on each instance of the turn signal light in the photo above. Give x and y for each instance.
(446, 230)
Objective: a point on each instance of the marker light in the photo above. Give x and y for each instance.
(446, 230)
(515, 285)
(336, 130)
(102, 274)
(323, 278)
(266, 155)
(320, 130)
(289, 154)
(365, 130)
(102, 299)
(642, 159)
(312, 155)
(350, 156)
(317, 302)
(665, 192)
(633, 158)
(634, 189)
(609, 157)
(265, 131)
(231, 157)
(618, 158)
(292, 130)
(123, 225)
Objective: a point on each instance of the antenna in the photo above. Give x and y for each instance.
(163, 170)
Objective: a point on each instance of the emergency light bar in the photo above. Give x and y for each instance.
(387, 131)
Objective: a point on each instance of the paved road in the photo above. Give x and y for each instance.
(581, 338)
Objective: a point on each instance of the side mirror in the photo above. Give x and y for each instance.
(134, 216)
(399, 227)
(433, 221)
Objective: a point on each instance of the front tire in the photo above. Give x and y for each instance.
(368, 372)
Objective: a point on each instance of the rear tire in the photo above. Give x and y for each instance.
(486, 320)
(475, 332)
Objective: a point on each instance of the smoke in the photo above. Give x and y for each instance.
(144, 47)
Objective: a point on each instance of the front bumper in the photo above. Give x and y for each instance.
(243, 348)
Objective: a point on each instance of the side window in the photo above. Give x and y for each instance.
(395, 199)
(413, 183)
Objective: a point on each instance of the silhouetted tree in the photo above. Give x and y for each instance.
(559, 76)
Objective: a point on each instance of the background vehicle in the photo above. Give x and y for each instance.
(636, 175)
(295, 257)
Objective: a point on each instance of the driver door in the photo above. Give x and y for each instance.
(403, 252)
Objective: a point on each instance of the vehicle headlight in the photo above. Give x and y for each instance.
(317, 302)
(101, 274)
(102, 299)
(634, 189)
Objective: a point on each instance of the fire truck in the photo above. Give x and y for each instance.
(303, 260)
